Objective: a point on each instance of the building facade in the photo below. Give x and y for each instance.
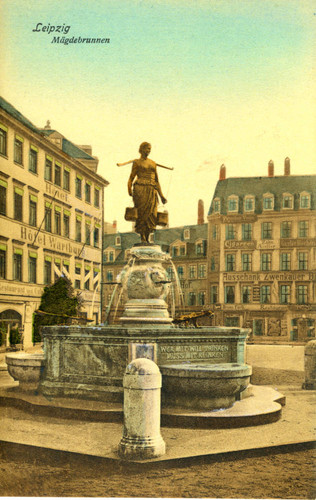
(51, 216)
(187, 246)
(262, 254)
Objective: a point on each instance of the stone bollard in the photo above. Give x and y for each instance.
(310, 365)
(141, 434)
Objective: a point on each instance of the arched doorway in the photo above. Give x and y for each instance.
(11, 329)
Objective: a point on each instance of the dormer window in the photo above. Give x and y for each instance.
(200, 247)
(178, 248)
(233, 204)
(268, 202)
(118, 241)
(216, 206)
(305, 200)
(287, 200)
(186, 234)
(249, 204)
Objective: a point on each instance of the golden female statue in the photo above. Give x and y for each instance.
(145, 190)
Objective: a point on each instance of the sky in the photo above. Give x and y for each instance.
(205, 82)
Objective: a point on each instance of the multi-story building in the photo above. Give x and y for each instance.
(51, 216)
(262, 254)
(187, 246)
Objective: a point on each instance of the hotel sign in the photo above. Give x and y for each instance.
(50, 241)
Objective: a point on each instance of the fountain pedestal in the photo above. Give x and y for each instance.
(146, 282)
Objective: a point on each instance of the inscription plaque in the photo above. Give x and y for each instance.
(220, 353)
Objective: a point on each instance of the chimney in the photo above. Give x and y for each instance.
(222, 173)
(47, 126)
(200, 212)
(114, 225)
(270, 169)
(287, 166)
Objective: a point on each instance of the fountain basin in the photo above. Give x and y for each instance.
(204, 386)
(26, 369)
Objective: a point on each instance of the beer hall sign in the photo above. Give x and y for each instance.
(272, 276)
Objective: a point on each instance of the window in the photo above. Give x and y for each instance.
(66, 267)
(246, 260)
(302, 294)
(87, 279)
(246, 231)
(109, 276)
(230, 232)
(57, 266)
(268, 202)
(249, 204)
(97, 197)
(245, 294)
(201, 298)
(66, 223)
(87, 233)
(285, 294)
(96, 237)
(266, 259)
(18, 150)
(117, 241)
(77, 268)
(3, 140)
(182, 250)
(17, 265)
(285, 261)
(214, 232)
(233, 204)
(214, 294)
(57, 174)
(78, 229)
(186, 234)
(213, 264)
(258, 327)
(303, 229)
(202, 270)
(32, 268)
(175, 251)
(286, 229)
(232, 321)
(88, 192)
(191, 298)
(265, 294)
(200, 248)
(302, 261)
(266, 230)
(33, 210)
(192, 272)
(47, 271)
(66, 179)
(287, 201)
(48, 168)
(77, 284)
(57, 220)
(18, 204)
(3, 261)
(170, 273)
(216, 206)
(111, 256)
(229, 294)
(304, 200)
(180, 272)
(78, 186)
(3, 196)
(33, 160)
(48, 217)
(230, 262)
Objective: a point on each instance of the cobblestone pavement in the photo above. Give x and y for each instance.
(282, 475)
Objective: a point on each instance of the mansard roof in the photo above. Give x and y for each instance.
(258, 186)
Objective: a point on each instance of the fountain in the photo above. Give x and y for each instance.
(203, 369)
